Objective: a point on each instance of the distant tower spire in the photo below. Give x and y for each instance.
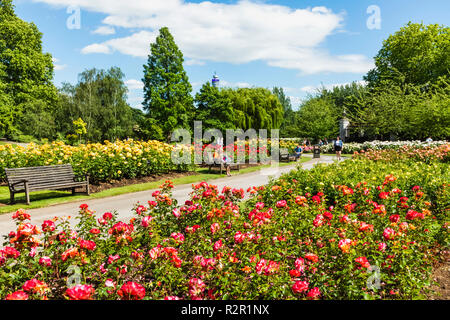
(215, 80)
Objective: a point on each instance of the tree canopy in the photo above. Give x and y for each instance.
(167, 97)
(26, 73)
(416, 54)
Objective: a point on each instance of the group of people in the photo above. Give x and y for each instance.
(224, 158)
(338, 144)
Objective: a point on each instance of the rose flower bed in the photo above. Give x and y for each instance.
(103, 162)
(352, 147)
(328, 233)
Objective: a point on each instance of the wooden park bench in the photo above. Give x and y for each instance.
(25, 180)
(212, 163)
(286, 157)
(233, 166)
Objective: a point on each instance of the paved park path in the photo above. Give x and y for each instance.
(124, 203)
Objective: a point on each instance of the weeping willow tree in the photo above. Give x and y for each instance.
(255, 108)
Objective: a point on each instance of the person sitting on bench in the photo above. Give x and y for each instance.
(298, 152)
(227, 161)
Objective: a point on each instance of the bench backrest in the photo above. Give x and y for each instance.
(41, 175)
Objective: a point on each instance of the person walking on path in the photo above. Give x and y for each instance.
(338, 144)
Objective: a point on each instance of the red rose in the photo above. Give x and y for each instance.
(363, 262)
(94, 231)
(328, 215)
(383, 195)
(316, 199)
(45, 261)
(87, 244)
(300, 286)
(388, 233)
(394, 218)
(21, 215)
(314, 293)
(10, 252)
(217, 245)
(196, 287)
(131, 291)
(18, 295)
(215, 227)
(146, 221)
(34, 286)
(411, 215)
(107, 216)
(318, 221)
(80, 292)
(295, 273)
(281, 204)
(311, 257)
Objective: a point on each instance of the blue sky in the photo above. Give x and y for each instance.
(298, 45)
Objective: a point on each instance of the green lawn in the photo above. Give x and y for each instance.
(41, 199)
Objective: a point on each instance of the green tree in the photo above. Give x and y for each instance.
(287, 128)
(7, 112)
(99, 98)
(345, 97)
(26, 73)
(214, 109)
(145, 128)
(167, 97)
(79, 127)
(416, 54)
(38, 120)
(407, 111)
(255, 108)
(317, 119)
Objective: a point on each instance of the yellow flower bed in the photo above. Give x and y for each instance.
(103, 162)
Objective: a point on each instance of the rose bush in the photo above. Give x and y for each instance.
(316, 234)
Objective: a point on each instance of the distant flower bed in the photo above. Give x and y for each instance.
(408, 152)
(351, 147)
(103, 162)
(362, 229)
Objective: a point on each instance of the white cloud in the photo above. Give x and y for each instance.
(136, 45)
(241, 32)
(134, 84)
(57, 66)
(104, 30)
(194, 62)
(96, 48)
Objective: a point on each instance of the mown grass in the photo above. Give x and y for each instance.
(40, 199)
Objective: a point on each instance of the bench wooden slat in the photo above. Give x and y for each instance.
(57, 186)
(41, 178)
(54, 183)
(52, 187)
(40, 174)
(33, 181)
(24, 173)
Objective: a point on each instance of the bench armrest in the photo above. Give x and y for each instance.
(18, 182)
